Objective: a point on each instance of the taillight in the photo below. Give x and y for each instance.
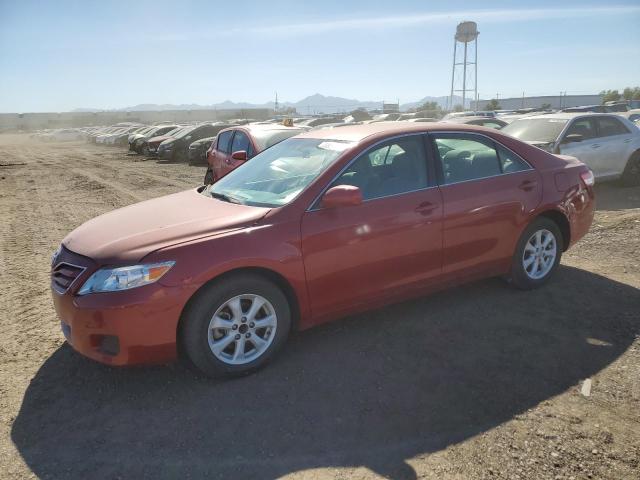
(588, 178)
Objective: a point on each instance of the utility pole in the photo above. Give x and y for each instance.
(275, 106)
(522, 100)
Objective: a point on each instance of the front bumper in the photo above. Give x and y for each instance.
(130, 327)
(166, 154)
(196, 155)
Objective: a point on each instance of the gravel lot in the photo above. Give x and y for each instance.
(481, 381)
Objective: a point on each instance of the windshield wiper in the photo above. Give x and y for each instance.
(225, 198)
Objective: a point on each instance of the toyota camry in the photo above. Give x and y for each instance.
(325, 224)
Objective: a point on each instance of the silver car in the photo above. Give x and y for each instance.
(607, 143)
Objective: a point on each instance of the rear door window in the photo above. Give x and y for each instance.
(609, 126)
(510, 162)
(466, 157)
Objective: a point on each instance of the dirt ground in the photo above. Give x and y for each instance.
(481, 381)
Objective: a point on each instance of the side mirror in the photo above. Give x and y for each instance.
(341, 196)
(188, 137)
(574, 137)
(240, 155)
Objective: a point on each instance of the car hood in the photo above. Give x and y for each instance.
(158, 140)
(128, 234)
(203, 141)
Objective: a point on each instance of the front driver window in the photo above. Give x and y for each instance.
(223, 141)
(240, 142)
(584, 127)
(396, 166)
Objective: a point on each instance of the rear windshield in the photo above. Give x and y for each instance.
(536, 129)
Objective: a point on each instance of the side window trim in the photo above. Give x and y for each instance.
(438, 163)
(431, 183)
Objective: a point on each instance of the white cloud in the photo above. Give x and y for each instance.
(400, 21)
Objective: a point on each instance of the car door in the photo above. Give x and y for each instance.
(612, 145)
(221, 154)
(487, 192)
(585, 150)
(383, 247)
(240, 142)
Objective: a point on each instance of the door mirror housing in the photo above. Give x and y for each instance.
(573, 138)
(240, 155)
(341, 196)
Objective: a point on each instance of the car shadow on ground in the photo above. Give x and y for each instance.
(372, 390)
(613, 196)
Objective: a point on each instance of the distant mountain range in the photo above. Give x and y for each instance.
(313, 104)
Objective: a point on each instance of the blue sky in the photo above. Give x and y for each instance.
(56, 56)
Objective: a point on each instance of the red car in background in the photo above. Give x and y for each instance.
(236, 145)
(154, 142)
(325, 224)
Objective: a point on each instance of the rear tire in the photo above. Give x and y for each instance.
(631, 174)
(235, 326)
(537, 254)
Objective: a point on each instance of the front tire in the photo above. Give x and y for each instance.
(236, 325)
(537, 254)
(631, 174)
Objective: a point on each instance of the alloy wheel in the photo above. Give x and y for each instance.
(539, 254)
(242, 329)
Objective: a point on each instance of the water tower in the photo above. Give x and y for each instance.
(466, 34)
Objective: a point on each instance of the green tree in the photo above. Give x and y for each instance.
(610, 96)
(493, 105)
(429, 106)
(545, 106)
(631, 93)
(458, 108)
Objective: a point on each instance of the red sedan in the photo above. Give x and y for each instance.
(236, 145)
(325, 224)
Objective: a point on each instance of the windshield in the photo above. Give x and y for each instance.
(536, 129)
(277, 175)
(183, 132)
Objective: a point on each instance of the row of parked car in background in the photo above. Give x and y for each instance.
(605, 137)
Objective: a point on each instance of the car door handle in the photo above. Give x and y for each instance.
(528, 185)
(596, 145)
(425, 208)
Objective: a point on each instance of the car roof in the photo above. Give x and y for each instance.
(356, 133)
(569, 115)
(470, 119)
(262, 127)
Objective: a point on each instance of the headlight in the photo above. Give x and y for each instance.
(124, 278)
